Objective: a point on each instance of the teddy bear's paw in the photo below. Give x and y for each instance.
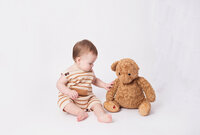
(111, 106)
(151, 97)
(144, 108)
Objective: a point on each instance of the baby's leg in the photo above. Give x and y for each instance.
(102, 116)
(71, 108)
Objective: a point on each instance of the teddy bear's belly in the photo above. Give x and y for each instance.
(129, 97)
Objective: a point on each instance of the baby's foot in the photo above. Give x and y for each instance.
(106, 118)
(81, 116)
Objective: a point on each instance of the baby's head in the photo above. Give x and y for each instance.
(85, 54)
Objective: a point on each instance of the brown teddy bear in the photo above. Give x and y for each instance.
(128, 89)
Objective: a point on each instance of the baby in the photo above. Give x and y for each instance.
(75, 91)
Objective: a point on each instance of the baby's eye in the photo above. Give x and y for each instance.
(119, 73)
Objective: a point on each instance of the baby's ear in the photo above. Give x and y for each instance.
(114, 65)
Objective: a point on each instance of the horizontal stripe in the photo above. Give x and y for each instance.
(78, 100)
(61, 99)
(87, 80)
(81, 101)
(84, 77)
(81, 79)
(81, 84)
(83, 98)
(63, 102)
(78, 73)
(61, 95)
(81, 104)
(81, 87)
(92, 101)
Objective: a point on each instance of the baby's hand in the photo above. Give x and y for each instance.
(107, 86)
(72, 94)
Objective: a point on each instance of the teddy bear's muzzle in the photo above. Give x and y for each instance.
(127, 79)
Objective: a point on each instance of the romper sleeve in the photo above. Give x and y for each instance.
(65, 73)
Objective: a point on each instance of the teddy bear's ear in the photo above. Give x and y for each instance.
(114, 65)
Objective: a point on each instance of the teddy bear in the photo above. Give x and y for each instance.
(129, 90)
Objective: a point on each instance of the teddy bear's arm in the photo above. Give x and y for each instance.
(147, 88)
(111, 93)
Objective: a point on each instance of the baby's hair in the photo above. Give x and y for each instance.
(83, 46)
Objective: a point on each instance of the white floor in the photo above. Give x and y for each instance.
(172, 113)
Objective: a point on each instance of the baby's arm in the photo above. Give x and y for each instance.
(61, 86)
(99, 83)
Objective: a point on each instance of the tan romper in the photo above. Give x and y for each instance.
(80, 81)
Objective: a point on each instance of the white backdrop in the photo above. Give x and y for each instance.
(36, 40)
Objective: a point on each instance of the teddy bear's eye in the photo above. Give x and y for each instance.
(119, 73)
(129, 74)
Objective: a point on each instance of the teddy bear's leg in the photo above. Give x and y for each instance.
(144, 108)
(111, 106)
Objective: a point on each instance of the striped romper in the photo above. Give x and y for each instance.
(80, 81)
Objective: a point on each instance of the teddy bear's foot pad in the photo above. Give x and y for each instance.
(111, 106)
